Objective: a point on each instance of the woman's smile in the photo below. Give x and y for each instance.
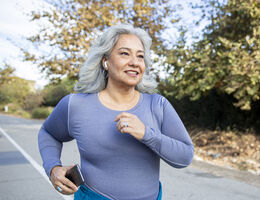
(132, 73)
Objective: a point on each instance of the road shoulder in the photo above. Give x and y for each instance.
(226, 172)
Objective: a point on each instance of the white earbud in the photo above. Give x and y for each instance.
(105, 63)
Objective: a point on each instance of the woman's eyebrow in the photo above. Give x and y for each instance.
(126, 48)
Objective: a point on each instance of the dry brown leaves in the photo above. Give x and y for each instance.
(226, 148)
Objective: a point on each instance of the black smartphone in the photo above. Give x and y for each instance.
(75, 176)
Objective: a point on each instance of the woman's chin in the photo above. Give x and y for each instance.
(126, 83)
(132, 83)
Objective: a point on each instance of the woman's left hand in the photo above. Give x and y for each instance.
(131, 124)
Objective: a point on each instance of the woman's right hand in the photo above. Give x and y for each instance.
(58, 179)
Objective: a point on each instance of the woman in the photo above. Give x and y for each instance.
(121, 128)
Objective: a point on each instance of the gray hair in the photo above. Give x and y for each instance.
(93, 78)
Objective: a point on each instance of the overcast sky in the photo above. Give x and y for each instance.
(14, 27)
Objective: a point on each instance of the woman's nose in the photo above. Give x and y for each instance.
(134, 61)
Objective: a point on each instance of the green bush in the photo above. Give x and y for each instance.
(12, 107)
(32, 101)
(53, 93)
(23, 113)
(4, 98)
(14, 91)
(216, 110)
(41, 112)
(15, 109)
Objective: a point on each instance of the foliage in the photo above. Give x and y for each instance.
(12, 108)
(53, 93)
(41, 112)
(215, 111)
(5, 77)
(72, 24)
(23, 113)
(15, 93)
(227, 59)
(3, 98)
(15, 109)
(6, 74)
(14, 90)
(32, 100)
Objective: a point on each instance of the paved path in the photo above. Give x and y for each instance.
(21, 173)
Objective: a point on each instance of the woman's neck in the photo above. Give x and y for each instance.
(120, 95)
(119, 98)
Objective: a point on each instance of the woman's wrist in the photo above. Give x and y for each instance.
(55, 167)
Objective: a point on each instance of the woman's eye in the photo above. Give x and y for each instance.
(124, 53)
(140, 56)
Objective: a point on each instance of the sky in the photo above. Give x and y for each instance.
(14, 27)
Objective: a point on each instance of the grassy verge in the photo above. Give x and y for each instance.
(37, 113)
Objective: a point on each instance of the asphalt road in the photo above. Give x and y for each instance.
(22, 177)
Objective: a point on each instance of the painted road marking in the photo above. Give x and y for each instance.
(32, 161)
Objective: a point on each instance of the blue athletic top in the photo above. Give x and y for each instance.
(113, 164)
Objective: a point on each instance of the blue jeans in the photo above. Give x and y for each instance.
(85, 193)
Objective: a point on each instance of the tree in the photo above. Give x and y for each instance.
(54, 92)
(6, 74)
(227, 59)
(72, 24)
(14, 91)
(5, 77)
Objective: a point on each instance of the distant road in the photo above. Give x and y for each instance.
(21, 172)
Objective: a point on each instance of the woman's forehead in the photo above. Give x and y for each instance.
(129, 41)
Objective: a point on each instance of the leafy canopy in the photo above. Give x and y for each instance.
(226, 59)
(72, 24)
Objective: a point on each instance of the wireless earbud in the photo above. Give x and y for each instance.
(105, 63)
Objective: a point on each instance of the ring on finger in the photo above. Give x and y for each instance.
(125, 124)
(59, 188)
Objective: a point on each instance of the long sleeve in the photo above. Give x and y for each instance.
(52, 134)
(171, 141)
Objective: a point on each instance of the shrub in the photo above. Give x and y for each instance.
(15, 109)
(41, 112)
(53, 94)
(216, 110)
(23, 113)
(4, 98)
(14, 91)
(32, 101)
(12, 107)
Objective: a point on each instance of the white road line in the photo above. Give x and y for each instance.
(31, 160)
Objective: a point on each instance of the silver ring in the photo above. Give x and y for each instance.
(59, 189)
(125, 124)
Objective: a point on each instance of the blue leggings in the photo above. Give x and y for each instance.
(85, 193)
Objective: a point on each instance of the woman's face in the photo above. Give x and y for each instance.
(126, 62)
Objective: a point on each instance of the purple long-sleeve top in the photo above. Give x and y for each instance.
(113, 164)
